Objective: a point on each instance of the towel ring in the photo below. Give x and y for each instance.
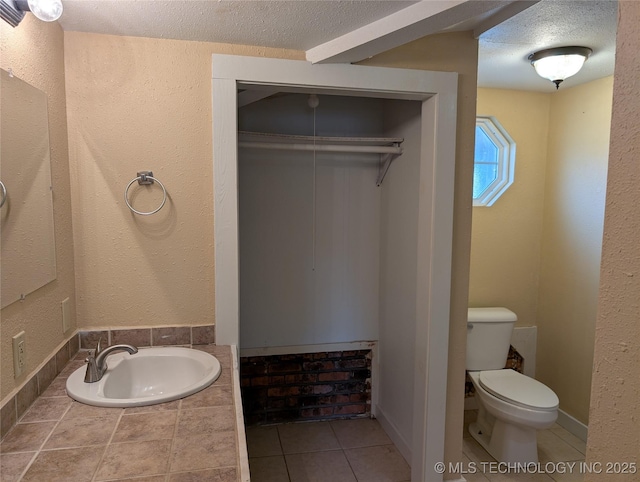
(3, 188)
(145, 178)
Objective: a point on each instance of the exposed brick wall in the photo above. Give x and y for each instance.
(309, 386)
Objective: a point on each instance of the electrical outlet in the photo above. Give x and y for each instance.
(66, 315)
(19, 354)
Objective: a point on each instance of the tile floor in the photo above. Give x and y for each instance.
(336, 451)
(360, 451)
(554, 445)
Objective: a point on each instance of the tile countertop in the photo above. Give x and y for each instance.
(198, 438)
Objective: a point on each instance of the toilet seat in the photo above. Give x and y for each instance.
(518, 389)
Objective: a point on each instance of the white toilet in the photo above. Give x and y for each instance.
(512, 406)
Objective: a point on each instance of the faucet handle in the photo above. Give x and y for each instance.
(98, 347)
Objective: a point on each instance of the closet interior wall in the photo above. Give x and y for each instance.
(309, 264)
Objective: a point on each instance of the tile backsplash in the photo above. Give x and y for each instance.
(159, 336)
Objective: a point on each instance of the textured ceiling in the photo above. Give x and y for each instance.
(304, 24)
(550, 23)
(298, 24)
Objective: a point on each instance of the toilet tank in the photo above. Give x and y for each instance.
(489, 337)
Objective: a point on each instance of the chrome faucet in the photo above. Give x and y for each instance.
(97, 362)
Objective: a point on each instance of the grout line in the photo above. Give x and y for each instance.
(46, 439)
(26, 469)
(106, 447)
(174, 437)
(284, 458)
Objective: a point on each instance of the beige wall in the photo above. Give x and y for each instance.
(505, 247)
(452, 52)
(143, 104)
(579, 125)
(614, 429)
(34, 51)
(537, 249)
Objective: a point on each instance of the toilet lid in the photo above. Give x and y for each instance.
(519, 389)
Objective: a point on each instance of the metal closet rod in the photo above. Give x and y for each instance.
(321, 147)
(374, 145)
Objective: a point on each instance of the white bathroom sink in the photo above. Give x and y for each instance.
(153, 375)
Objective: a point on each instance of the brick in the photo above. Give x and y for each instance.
(356, 363)
(333, 376)
(316, 412)
(306, 389)
(319, 356)
(277, 403)
(301, 378)
(350, 387)
(308, 401)
(283, 391)
(343, 398)
(317, 366)
(248, 369)
(277, 380)
(322, 389)
(350, 409)
(259, 381)
(358, 397)
(284, 367)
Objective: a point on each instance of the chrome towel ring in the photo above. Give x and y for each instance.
(3, 194)
(145, 178)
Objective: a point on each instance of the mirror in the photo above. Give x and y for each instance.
(27, 240)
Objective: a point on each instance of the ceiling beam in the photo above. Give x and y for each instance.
(411, 23)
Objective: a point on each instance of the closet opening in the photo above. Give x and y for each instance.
(322, 260)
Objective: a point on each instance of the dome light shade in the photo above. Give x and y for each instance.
(46, 10)
(559, 63)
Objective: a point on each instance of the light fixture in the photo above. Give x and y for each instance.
(559, 63)
(13, 11)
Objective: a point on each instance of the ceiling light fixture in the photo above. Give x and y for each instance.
(13, 11)
(560, 63)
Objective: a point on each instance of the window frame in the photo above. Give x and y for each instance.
(506, 146)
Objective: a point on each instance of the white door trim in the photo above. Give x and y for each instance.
(438, 93)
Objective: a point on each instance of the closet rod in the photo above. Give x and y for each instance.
(322, 147)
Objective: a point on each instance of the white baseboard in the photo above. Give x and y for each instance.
(572, 425)
(401, 444)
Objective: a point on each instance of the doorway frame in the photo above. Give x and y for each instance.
(437, 92)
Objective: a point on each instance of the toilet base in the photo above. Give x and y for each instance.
(507, 442)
